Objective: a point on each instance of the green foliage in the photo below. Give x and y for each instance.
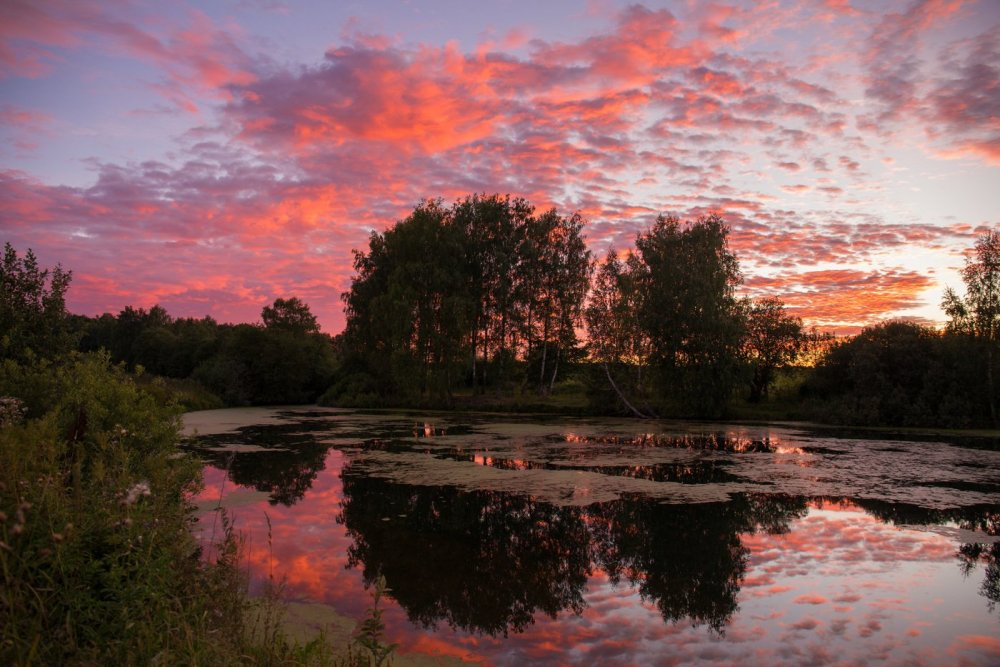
(151, 339)
(671, 309)
(372, 629)
(97, 559)
(33, 318)
(268, 366)
(359, 389)
(901, 374)
(690, 313)
(186, 393)
(286, 361)
(977, 316)
(772, 339)
(96, 551)
(460, 295)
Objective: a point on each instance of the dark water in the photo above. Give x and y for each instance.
(590, 541)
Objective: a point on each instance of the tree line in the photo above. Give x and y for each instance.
(482, 293)
(488, 297)
(488, 294)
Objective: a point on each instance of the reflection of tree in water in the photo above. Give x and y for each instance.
(487, 561)
(285, 474)
(688, 559)
(286, 467)
(971, 555)
(979, 518)
(481, 560)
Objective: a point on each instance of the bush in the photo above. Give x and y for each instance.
(99, 564)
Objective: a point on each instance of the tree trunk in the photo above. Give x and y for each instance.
(555, 371)
(989, 382)
(607, 371)
(545, 351)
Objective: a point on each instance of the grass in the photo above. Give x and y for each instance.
(97, 559)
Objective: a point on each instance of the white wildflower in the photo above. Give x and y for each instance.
(137, 491)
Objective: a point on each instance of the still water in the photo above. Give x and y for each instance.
(510, 541)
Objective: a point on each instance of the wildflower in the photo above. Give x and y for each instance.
(135, 492)
(12, 410)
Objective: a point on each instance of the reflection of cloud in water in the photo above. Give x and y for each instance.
(588, 583)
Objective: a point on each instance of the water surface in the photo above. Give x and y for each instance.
(512, 541)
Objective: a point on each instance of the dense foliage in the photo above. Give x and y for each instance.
(485, 301)
(483, 292)
(668, 331)
(98, 562)
(904, 374)
(32, 307)
(287, 360)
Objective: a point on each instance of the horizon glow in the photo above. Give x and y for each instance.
(211, 157)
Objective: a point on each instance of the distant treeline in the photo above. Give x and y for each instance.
(283, 360)
(487, 301)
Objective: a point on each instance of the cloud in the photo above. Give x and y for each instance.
(841, 296)
(655, 112)
(893, 60)
(195, 59)
(962, 105)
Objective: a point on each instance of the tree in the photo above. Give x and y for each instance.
(464, 291)
(689, 311)
(494, 228)
(886, 375)
(672, 307)
(772, 338)
(978, 314)
(33, 316)
(408, 309)
(616, 340)
(290, 314)
(559, 268)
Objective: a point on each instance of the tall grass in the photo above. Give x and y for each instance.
(97, 559)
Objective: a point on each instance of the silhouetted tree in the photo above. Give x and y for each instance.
(33, 318)
(291, 315)
(409, 306)
(772, 339)
(616, 340)
(688, 323)
(557, 268)
(978, 314)
(452, 293)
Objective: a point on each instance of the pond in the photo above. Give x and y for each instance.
(510, 540)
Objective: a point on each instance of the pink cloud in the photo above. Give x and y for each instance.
(195, 59)
(638, 118)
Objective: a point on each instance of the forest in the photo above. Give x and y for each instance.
(488, 303)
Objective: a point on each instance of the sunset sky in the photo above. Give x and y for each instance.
(213, 156)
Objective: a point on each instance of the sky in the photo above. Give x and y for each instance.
(213, 156)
